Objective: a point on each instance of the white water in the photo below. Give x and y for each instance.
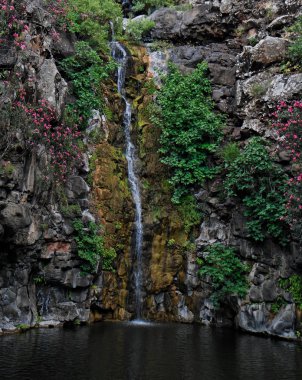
(120, 55)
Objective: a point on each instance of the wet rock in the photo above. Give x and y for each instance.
(184, 314)
(284, 322)
(207, 313)
(253, 318)
(87, 217)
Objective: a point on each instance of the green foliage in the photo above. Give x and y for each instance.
(261, 184)
(171, 243)
(91, 248)
(252, 41)
(226, 272)
(190, 215)
(276, 306)
(23, 327)
(229, 153)
(71, 211)
(86, 70)
(293, 285)
(90, 19)
(38, 280)
(148, 5)
(190, 128)
(137, 30)
(7, 169)
(295, 49)
(258, 89)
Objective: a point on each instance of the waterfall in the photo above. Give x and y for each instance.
(120, 55)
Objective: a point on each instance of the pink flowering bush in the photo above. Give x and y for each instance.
(60, 141)
(12, 23)
(288, 125)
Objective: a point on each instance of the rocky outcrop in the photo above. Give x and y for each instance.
(40, 275)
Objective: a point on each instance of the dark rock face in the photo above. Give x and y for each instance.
(246, 82)
(40, 275)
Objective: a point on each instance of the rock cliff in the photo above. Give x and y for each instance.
(40, 271)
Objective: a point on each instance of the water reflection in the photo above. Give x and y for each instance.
(124, 351)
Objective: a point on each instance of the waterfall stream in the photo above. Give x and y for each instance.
(120, 55)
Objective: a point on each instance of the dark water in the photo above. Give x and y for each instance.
(118, 351)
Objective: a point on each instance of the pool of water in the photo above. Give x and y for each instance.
(135, 351)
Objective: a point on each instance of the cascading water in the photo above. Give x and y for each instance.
(120, 55)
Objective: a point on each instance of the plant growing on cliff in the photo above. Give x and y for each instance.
(224, 271)
(287, 123)
(90, 18)
(149, 5)
(13, 24)
(190, 128)
(261, 184)
(190, 214)
(295, 48)
(90, 247)
(59, 141)
(137, 30)
(293, 285)
(86, 70)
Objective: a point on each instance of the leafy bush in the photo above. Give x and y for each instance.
(190, 128)
(71, 211)
(138, 29)
(90, 18)
(86, 69)
(148, 5)
(189, 212)
(293, 285)
(226, 272)
(229, 153)
(261, 184)
(90, 247)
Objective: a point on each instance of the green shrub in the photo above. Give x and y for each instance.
(190, 215)
(261, 184)
(137, 30)
(149, 5)
(90, 248)
(71, 211)
(86, 70)
(276, 306)
(90, 19)
(226, 272)
(190, 128)
(229, 153)
(293, 285)
(258, 89)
